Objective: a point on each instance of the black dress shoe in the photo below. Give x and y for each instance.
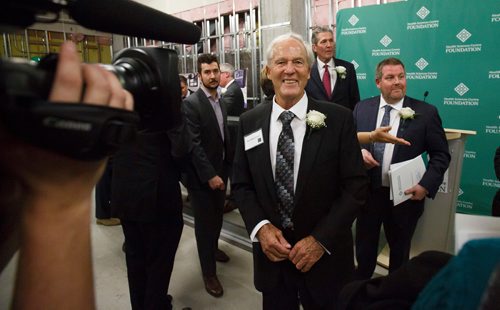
(220, 256)
(213, 286)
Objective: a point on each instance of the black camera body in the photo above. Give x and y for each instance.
(88, 132)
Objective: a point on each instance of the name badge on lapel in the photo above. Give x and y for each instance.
(253, 139)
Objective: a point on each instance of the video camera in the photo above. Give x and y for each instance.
(88, 132)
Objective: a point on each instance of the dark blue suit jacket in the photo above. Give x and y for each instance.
(331, 188)
(345, 92)
(425, 133)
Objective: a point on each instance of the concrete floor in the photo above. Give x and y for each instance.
(186, 285)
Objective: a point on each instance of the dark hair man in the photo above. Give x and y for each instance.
(210, 162)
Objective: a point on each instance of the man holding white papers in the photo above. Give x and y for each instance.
(420, 124)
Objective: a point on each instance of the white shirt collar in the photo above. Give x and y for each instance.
(299, 109)
(321, 65)
(207, 93)
(396, 106)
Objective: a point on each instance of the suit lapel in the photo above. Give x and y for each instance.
(263, 122)
(310, 147)
(372, 112)
(209, 110)
(403, 125)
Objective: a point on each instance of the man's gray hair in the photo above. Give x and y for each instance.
(270, 49)
(227, 67)
(317, 30)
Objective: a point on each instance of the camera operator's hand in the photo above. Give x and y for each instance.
(55, 176)
(101, 86)
(54, 268)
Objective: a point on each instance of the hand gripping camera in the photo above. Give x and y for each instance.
(89, 132)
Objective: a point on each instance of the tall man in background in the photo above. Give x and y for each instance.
(299, 182)
(233, 99)
(147, 197)
(422, 127)
(332, 79)
(210, 163)
(231, 95)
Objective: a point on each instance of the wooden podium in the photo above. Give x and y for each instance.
(436, 227)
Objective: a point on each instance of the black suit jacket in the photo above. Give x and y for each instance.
(211, 153)
(345, 91)
(234, 100)
(146, 174)
(425, 132)
(331, 187)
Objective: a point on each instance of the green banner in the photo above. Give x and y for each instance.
(451, 49)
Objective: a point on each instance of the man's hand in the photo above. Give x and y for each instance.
(382, 135)
(418, 191)
(306, 253)
(216, 183)
(368, 159)
(273, 244)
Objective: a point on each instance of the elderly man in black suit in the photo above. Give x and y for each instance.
(417, 122)
(232, 96)
(337, 81)
(299, 182)
(210, 164)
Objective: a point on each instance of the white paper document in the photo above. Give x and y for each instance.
(403, 176)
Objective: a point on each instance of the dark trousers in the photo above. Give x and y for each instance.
(150, 254)
(207, 208)
(291, 292)
(103, 194)
(399, 225)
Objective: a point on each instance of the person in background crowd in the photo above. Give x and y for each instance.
(417, 122)
(50, 195)
(185, 91)
(232, 96)
(299, 182)
(210, 163)
(267, 86)
(337, 83)
(146, 196)
(233, 99)
(103, 198)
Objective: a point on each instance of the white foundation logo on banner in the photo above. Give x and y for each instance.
(422, 13)
(463, 36)
(421, 64)
(386, 41)
(348, 31)
(461, 89)
(359, 75)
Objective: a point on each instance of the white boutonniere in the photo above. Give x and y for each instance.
(315, 120)
(223, 90)
(341, 71)
(407, 113)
